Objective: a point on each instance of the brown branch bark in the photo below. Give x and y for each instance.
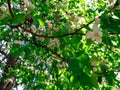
(10, 9)
(10, 64)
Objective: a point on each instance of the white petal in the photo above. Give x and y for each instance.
(95, 27)
(100, 33)
(99, 39)
(88, 34)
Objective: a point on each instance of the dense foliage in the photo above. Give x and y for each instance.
(60, 44)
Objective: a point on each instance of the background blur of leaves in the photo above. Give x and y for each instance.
(73, 62)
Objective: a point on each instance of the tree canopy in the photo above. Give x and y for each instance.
(60, 44)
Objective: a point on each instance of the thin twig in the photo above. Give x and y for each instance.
(103, 73)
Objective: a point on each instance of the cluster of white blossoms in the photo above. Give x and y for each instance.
(28, 4)
(54, 43)
(4, 11)
(39, 29)
(95, 35)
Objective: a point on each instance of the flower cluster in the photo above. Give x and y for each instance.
(95, 35)
(55, 43)
(4, 11)
(28, 4)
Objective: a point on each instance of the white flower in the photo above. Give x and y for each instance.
(95, 35)
(55, 43)
(3, 8)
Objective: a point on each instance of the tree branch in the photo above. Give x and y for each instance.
(10, 9)
(103, 73)
(43, 46)
(57, 36)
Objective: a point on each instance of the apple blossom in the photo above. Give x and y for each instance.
(55, 43)
(95, 35)
(3, 8)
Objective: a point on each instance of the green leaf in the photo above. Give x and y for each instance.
(83, 59)
(19, 18)
(75, 67)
